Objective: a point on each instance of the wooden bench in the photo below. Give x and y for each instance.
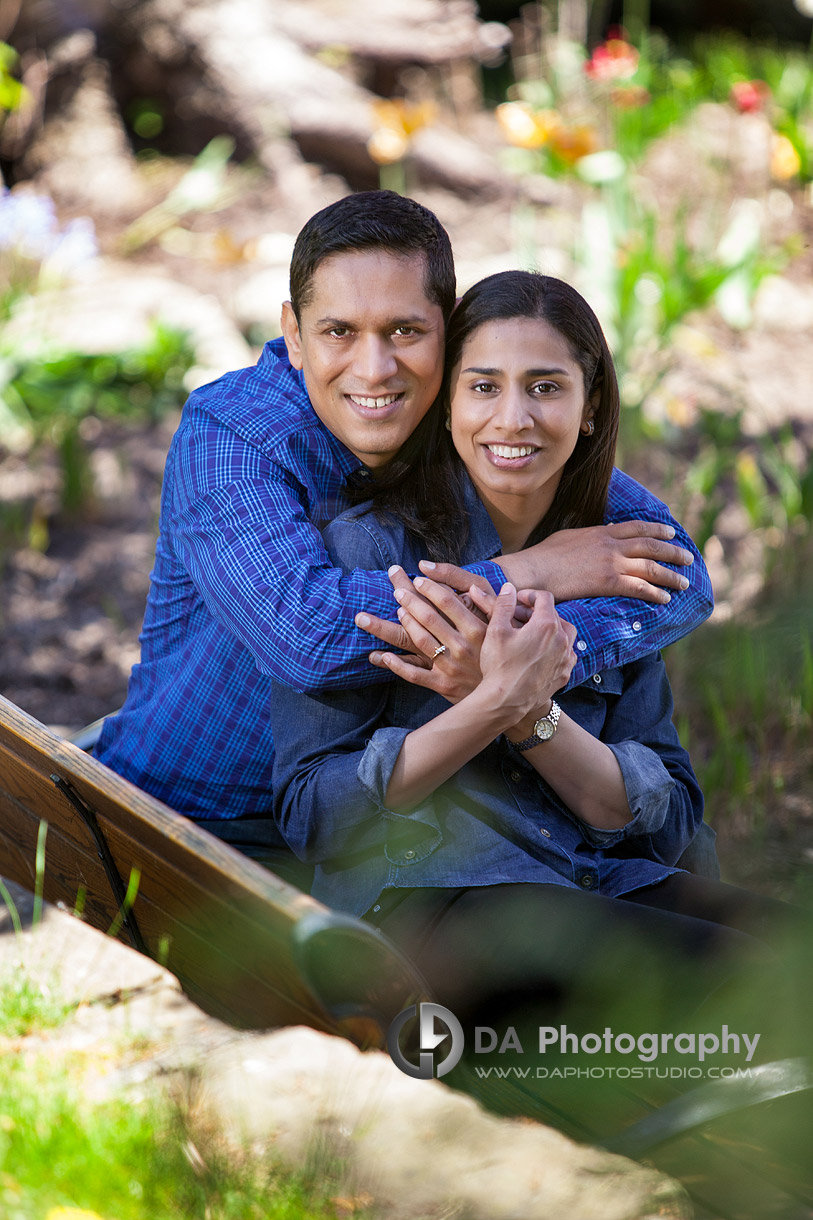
(244, 945)
(258, 953)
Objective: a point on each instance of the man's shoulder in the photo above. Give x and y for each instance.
(264, 404)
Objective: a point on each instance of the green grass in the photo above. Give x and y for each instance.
(125, 1159)
(744, 705)
(131, 1158)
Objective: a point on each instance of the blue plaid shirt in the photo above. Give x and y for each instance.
(243, 592)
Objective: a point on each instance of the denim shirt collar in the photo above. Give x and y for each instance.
(483, 541)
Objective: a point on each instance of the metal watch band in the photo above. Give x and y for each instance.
(551, 719)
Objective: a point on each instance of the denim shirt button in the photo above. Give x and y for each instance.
(582, 647)
(586, 882)
(377, 906)
(409, 855)
(544, 831)
(597, 679)
(515, 776)
(636, 626)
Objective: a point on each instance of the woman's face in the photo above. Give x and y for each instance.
(517, 404)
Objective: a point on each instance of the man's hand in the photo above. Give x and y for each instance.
(621, 560)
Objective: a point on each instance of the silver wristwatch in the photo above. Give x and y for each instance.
(544, 729)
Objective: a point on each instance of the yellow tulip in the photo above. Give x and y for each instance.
(785, 161)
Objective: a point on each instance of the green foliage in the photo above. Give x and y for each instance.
(744, 691)
(124, 1159)
(47, 397)
(12, 92)
(46, 402)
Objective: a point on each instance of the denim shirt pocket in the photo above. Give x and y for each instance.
(413, 836)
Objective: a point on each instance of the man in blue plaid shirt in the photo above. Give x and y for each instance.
(242, 591)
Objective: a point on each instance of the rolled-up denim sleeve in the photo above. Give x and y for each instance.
(663, 793)
(335, 751)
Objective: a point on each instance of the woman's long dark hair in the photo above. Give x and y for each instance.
(423, 485)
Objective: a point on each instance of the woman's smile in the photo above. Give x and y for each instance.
(517, 405)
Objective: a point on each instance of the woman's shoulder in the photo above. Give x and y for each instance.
(363, 537)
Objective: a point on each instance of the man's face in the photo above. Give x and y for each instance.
(370, 345)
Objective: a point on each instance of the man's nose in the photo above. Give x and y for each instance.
(374, 359)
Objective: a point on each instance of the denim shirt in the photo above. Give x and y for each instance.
(496, 820)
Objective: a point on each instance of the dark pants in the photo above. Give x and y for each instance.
(687, 952)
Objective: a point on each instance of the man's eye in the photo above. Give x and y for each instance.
(339, 332)
(405, 331)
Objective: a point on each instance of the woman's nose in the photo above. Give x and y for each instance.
(374, 360)
(513, 414)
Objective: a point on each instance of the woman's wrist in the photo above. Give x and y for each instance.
(525, 727)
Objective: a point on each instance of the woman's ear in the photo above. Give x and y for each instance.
(588, 425)
(290, 333)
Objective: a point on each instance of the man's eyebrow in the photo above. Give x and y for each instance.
(416, 319)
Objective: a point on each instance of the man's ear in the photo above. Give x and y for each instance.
(290, 333)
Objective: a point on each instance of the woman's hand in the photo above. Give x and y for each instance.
(524, 665)
(432, 616)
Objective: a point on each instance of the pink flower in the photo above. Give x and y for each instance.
(750, 96)
(614, 59)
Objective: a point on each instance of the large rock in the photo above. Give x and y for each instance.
(414, 1148)
(406, 1149)
(112, 310)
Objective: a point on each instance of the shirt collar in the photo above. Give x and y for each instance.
(483, 541)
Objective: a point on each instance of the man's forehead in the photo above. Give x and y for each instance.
(378, 282)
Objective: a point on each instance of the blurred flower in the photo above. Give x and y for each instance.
(75, 246)
(601, 167)
(630, 97)
(614, 59)
(396, 121)
(72, 1213)
(525, 127)
(750, 96)
(27, 223)
(785, 160)
(573, 143)
(805, 7)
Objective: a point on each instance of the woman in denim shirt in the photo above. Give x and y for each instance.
(508, 840)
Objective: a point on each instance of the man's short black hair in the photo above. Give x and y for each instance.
(370, 220)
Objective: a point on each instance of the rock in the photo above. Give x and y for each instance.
(82, 157)
(782, 306)
(269, 85)
(417, 1148)
(405, 31)
(410, 1148)
(112, 311)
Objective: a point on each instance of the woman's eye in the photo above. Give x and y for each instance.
(542, 388)
(483, 387)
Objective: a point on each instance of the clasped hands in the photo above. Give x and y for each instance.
(449, 607)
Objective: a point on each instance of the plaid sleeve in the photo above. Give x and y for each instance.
(614, 631)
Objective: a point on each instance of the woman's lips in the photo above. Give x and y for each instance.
(510, 457)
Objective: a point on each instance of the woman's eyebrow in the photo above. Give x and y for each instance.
(528, 372)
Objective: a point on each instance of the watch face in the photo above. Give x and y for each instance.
(544, 730)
